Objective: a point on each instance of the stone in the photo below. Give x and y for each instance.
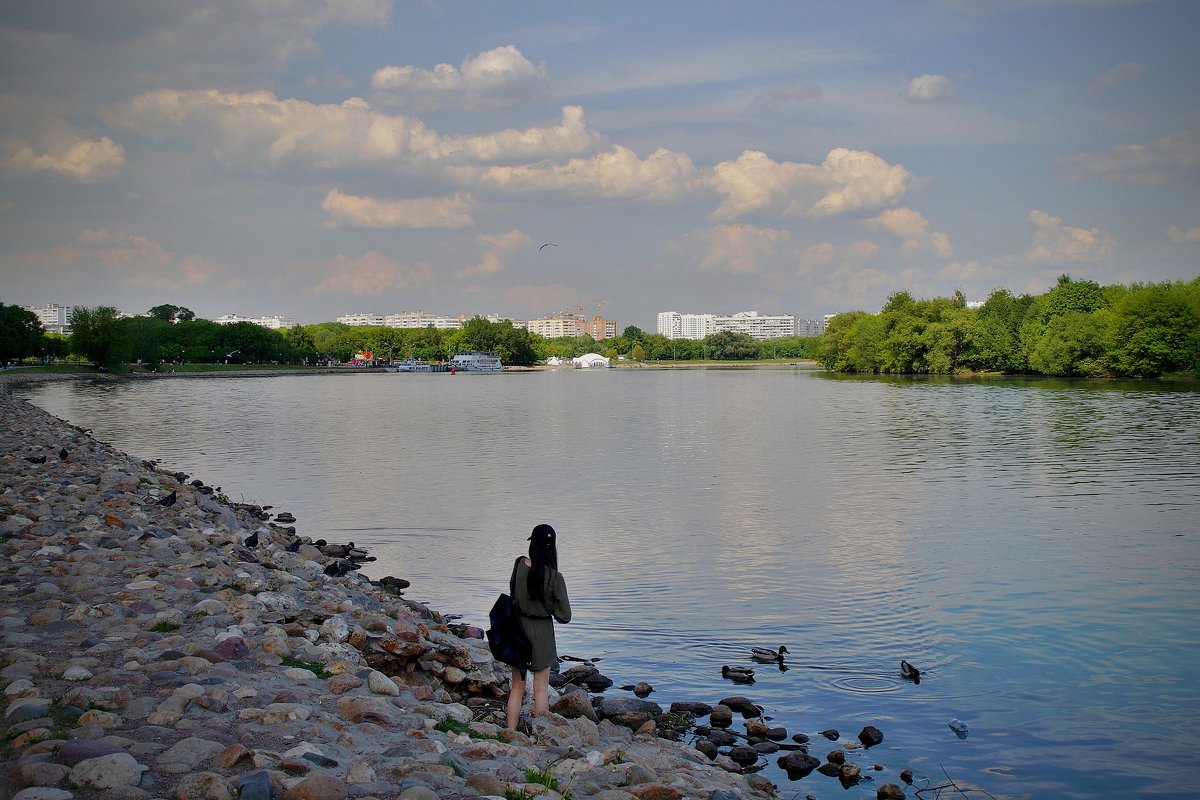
(187, 754)
(870, 736)
(657, 791)
(486, 784)
(831, 734)
(744, 755)
(797, 765)
(232, 648)
(836, 757)
(317, 786)
(379, 683)
(75, 750)
(693, 708)
(575, 705)
(107, 772)
(43, 793)
(742, 705)
(720, 717)
(418, 793)
(889, 791)
(254, 786)
(202, 786)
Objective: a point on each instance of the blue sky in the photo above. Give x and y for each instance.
(319, 157)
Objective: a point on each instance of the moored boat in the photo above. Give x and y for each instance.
(476, 362)
(410, 365)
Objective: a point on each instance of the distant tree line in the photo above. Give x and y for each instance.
(1078, 328)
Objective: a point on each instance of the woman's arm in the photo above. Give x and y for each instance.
(562, 603)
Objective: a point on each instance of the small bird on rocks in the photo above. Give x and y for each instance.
(170, 499)
(251, 540)
(63, 454)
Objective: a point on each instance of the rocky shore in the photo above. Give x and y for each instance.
(157, 641)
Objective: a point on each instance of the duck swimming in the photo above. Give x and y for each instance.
(738, 674)
(910, 672)
(766, 655)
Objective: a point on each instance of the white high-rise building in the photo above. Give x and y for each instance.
(757, 326)
(421, 319)
(362, 318)
(674, 325)
(53, 317)
(272, 321)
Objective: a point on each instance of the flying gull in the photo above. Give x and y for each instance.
(547, 244)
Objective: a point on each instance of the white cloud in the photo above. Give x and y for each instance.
(735, 248)
(493, 78)
(1180, 236)
(66, 154)
(1054, 242)
(966, 271)
(912, 229)
(1121, 73)
(847, 181)
(497, 248)
(370, 274)
(928, 89)
(1158, 162)
(616, 173)
(411, 212)
(261, 132)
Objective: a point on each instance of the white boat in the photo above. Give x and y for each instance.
(410, 365)
(476, 362)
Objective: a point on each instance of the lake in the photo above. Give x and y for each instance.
(1032, 546)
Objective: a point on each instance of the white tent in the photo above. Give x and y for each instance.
(590, 361)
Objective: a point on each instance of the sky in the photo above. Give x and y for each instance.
(313, 158)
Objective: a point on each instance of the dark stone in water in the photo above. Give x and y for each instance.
(767, 748)
(693, 708)
(870, 736)
(744, 755)
(707, 748)
(742, 705)
(800, 738)
(832, 770)
(798, 765)
(836, 757)
(722, 738)
(831, 734)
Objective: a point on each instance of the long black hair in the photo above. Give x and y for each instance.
(543, 553)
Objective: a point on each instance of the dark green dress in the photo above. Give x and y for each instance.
(537, 617)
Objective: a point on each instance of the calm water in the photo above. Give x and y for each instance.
(1032, 546)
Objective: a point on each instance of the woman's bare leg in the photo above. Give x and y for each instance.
(516, 697)
(541, 692)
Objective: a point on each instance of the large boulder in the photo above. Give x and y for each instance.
(797, 765)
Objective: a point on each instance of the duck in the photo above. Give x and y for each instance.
(910, 672)
(766, 655)
(738, 674)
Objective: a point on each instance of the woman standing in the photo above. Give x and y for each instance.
(541, 596)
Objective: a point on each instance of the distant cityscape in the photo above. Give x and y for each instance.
(56, 318)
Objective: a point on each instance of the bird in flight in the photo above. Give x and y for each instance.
(547, 244)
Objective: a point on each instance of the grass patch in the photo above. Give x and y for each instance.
(451, 725)
(511, 793)
(315, 667)
(165, 626)
(544, 778)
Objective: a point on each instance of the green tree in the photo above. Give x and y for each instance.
(730, 346)
(303, 348)
(169, 313)
(96, 334)
(20, 333)
(637, 353)
(1071, 344)
(1155, 330)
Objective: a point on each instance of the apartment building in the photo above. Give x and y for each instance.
(53, 317)
(273, 321)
